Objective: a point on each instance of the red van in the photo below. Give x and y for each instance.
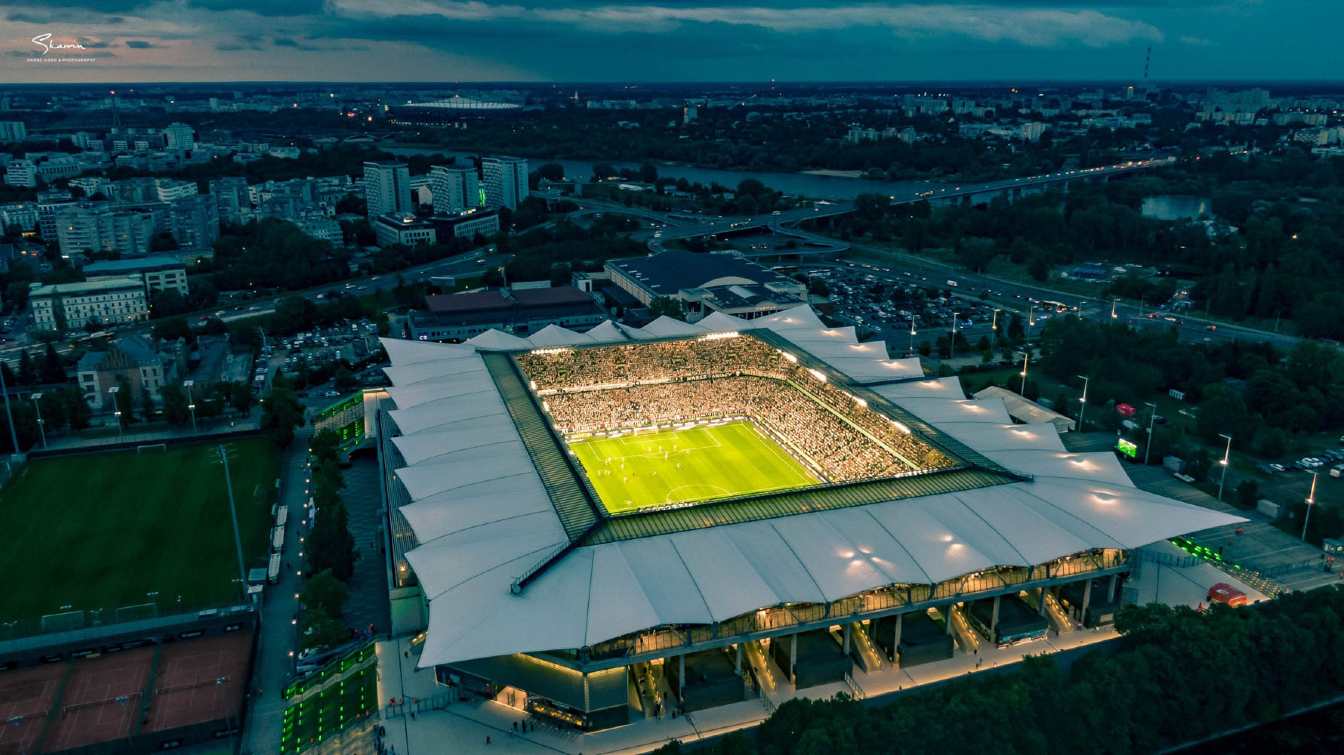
(1227, 594)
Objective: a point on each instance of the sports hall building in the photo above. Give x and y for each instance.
(919, 514)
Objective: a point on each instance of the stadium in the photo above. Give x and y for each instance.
(601, 527)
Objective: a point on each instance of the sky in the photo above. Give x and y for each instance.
(666, 40)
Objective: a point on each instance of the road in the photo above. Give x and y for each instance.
(1016, 296)
(279, 607)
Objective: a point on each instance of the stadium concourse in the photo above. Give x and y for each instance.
(936, 523)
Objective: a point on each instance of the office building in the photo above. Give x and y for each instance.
(194, 222)
(179, 136)
(167, 189)
(454, 189)
(387, 188)
(505, 181)
(232, 200)
(707, 283)
(131, 360)
(403, 229)
(12, 131)
(467, 225)
(21, 173)
(73, 306)
(159, 272)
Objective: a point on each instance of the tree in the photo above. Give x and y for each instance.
(175, 409)
(552, 171)
(1248, 492)
(77, 411)
(330, 544)
(27, 373)
(325, 594)
(146, 404)
(53, 370)
(281, 412)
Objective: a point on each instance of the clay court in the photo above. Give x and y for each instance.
(60, 706)
(101, 700)
(26, 696)
(200, 680)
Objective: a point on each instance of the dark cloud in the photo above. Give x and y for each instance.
(140, 44)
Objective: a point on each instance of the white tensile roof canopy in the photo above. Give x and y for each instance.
(483, 518)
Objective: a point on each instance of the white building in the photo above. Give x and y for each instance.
(179, 136)
(13, 131)
(159, 272)
(387, 188)
(505, 181)
(21, 173)
(454, 189)
(169, 189)
(72, 306)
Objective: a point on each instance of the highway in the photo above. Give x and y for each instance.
(1015, 296)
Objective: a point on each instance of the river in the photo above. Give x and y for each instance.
(801, 184)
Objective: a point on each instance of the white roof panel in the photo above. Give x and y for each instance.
(709, 555)
(440, 412)
(468, 433)
(480, 503)
(402, 352)
(554, 335)
(663, 576)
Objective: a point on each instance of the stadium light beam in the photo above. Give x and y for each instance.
(1082, 402)
(1311, 503)
(1227, 453)
(191, 405)
(41, 424)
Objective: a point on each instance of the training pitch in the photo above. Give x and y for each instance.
(108, 530)
(632, 472)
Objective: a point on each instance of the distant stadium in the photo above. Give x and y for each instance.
(447, 110)
(609, 524)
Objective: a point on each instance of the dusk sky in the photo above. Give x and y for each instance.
(668, 40)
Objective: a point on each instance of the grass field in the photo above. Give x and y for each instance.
(99, 531)
(677, 466)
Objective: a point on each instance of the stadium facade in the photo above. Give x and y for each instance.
(930, 511)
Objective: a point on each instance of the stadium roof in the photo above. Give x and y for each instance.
(668, 273)
(491, 506)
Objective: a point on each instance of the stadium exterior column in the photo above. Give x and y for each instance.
(1115, 581)
(994, 617)
(793, 654)
(848, 629)
(1041, 607)
(587, 698)
(896, 638)
(1087, 598)
(739, 659)
(948, 619)
(681, 677)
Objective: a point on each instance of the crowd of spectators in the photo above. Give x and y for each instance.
(833, 447)
(628, 386)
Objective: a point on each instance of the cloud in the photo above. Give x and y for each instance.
(1196, 41)
(140, 44)
(987, 22)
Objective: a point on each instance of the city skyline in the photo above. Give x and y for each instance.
(94, 41)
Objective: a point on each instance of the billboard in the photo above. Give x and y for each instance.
(1127, 448)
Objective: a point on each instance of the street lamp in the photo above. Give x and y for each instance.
(1152, 417)
(1082, 403)
(953, 349)
(1227, 453)
(912, 335)
(994, 325)
(1026, 355)
(191, 405)
(1311, 501)
(1114, 302)
(37, 409)
(116, 408)
(1031, 318)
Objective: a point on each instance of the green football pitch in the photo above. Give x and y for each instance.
(102, 531)
(632, 472)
